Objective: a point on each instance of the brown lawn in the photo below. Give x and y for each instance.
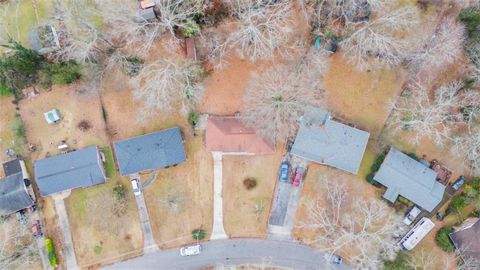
(74, 108)
(361, 97)
(93, 245)
(240, 216)
(180, 199)
(8, 138)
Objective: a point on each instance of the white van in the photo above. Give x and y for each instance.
(191, 250)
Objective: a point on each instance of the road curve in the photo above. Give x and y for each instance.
(233, 252)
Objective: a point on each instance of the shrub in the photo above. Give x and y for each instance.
(400, 262)
(471, 18)
(198, 234)
(405, 201)
(84, 125)
(59, 73)
(250, 183)
(191, 29)
(413, 155)
(193, 118)
(442, 239)
(51, 252)
(457, 204)
(119, 192)
(132, 65)
(97, 249)
(5, 91)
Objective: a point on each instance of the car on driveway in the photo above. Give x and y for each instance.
(136, 187)
(298, 176)
(190, 250)
(459, 183)
(36, 229)
(411, 215)
(284, 171)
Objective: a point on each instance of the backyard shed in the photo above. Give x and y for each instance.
(52, 116)
(77, 169)
(150, 151)
(326, 141)
(404, 176)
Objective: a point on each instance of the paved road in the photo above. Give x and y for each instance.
(71, 260)
(234, 252)
(218, 231)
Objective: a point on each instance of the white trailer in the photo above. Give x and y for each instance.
(417, 233)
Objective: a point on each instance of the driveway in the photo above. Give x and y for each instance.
(234, 252)
(149, 244)
(218, 231)
(69, 252)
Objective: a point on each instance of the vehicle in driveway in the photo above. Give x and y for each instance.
(190, 250)
(284, 171)
(337, 259)
(136, 187)
(298, 176)
(36, 229)
(411, 215)
(459, 183)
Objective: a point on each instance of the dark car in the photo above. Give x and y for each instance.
(284, 172)
(459, 183)
(297, 178)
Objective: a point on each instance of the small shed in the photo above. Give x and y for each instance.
(147, 14)
(53, 116)
(44, 39)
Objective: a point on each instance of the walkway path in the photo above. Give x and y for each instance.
(71, 260)
(229, 252)
(218, 232)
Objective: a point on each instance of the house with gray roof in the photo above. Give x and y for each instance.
(14, 195)
(466, 239)
(150, 151)
(78, 169)
(326, 141)
(406, 177)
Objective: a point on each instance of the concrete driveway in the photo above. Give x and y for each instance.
(218, 231)
(69, 252)
(234, 252)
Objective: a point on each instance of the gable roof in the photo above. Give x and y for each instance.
(77, 169)
(228, 134)
(329, 142)
(150, 152)
(403, 175)
(468, 240)
(13, 194)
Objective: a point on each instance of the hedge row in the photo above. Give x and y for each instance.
(51, 252)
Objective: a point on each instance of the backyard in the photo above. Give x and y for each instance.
(11, 130)
(246, 211)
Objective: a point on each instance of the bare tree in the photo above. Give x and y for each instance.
(168, 84)
(276, 99)
(17, 247)
(380, 41)
(364, 227)
(434, 118)
(468, 146)
(442, 48)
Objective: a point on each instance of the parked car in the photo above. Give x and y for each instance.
(36, 229)
(459, 183)
(284, 171)
(297, 178)
(21, 217)
(411, 215)
(190, 250)
(136, 187)
(440, 215)
(337, 259)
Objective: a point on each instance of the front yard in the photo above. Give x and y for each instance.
(245, 211)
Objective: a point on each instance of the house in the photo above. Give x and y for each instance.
(14, 194)
(406, 177)
(228, 135)
(467, 240)
(15, 166)
(417, 233)
(326, 141)
(150, 152)
(77, 169)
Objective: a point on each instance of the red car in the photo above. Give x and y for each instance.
(36, 229)
(297, 178)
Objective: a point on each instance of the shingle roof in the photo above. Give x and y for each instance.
(403, 175)
(149, 152)
(228, 134)
(12, 167)
(13, 194)
(468, 240)
(328, 142)
(81, 168)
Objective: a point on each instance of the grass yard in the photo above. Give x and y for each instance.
(122, 236)
(361, 97)
(19, 17)
(180, 199)
(245, 211)
(74, 109)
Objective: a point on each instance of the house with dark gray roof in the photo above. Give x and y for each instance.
(326, 141)
(467, 240)
(407, 177)
(14, 195)
(77, 169)
(150, 151)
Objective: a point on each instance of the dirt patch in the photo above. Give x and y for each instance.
(73, 109)
(246, 211)
(94, 246)
(361, 97)
(180, 199)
